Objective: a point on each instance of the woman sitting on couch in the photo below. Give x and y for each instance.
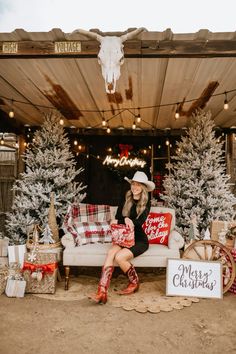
(133, 213)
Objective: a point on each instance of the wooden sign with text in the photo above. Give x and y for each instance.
(194, 278)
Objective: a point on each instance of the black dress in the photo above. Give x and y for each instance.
(141, 241)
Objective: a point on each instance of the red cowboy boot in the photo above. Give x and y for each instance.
(101, 295)
(133, 282)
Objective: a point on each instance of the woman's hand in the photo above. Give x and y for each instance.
(129, 223)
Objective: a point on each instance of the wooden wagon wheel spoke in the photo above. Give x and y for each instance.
(205, 252)
(198, 254)
(213, 253)
(219, 253)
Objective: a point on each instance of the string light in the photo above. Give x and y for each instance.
(108, 130)
(226, 103)
(2, 141)
(75, 142)
(104, 123)
(138, 116)
(11, 113)
(119, 111)
(134, 125)
(177, 115)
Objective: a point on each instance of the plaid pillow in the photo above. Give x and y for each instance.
(90, 212)
(92, 232)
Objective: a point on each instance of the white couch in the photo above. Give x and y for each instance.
(94, 254)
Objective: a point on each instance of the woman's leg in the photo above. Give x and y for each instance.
(123, 258)
(109, 261)
(107, 270)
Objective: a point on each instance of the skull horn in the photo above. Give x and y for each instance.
(89, 34)
(130, 35)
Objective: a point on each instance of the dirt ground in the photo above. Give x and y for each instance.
(41, 326)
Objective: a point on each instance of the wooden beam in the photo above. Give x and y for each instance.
(135, 49)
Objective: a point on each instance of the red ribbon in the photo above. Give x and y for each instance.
(124, 149)
(44, 268)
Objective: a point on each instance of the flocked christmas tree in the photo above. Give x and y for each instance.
(197, 185)
(50, 167)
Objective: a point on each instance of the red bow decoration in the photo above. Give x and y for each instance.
(44, 268)
(124, 149)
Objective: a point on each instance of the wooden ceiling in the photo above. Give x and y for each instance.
(161, 71)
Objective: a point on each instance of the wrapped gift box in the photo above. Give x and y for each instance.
(40, 274)
(3, 261)
(15, 288)
(3, 246)
(16, 254)
(3, 279)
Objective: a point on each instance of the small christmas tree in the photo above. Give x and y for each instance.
(50, 167)
(47, 236)
(197, 183)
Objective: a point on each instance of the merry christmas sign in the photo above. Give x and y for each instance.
(194, 278)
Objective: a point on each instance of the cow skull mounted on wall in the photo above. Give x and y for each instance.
(111, 54)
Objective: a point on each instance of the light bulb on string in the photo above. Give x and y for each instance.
(108, 130)
(138, 116)
(226, 103)
(2, 141)
(177, 115)
(104, 122)
(61, 121)
(11, 113)
(75, 142)
(134, 126)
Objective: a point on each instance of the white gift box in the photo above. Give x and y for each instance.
(16, 254)
(3, 246)
(15, 288)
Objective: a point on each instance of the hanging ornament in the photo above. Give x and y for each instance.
(52, 222)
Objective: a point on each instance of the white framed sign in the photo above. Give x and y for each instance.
(194, 278)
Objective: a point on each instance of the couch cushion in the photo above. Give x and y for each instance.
(95, 255)
(157, 227)
(92, 232)
(91, 212)
(163, 209)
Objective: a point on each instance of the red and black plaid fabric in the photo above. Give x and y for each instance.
(90, 212)
(93, 232)
(88, 223)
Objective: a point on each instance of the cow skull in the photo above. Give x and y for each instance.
(111, 54)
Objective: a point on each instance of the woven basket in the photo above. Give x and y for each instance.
(30, 245)
(3, 279)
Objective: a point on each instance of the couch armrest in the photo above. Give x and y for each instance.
(68, 241)
(175, 240)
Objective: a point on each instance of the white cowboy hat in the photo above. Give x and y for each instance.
(141, 177)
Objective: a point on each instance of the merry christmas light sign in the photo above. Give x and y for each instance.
(194, 278)
(124, 161)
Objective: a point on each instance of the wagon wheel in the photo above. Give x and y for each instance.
(213, 251)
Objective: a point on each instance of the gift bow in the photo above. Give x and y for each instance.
(124, 149)
(44, 268)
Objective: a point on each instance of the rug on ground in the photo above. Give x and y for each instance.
(150, 297)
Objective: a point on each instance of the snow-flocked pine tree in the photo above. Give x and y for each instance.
(197, 184)
(50, 167)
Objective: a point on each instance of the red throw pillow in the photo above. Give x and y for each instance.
(157, 227)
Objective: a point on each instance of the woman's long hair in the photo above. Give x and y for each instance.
(129, 201)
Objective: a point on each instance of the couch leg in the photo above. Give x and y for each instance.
(67, 273)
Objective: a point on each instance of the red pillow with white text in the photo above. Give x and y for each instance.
(157, 227)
